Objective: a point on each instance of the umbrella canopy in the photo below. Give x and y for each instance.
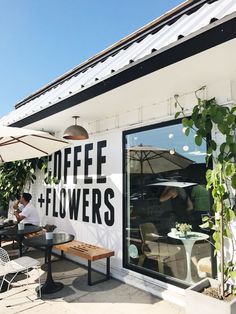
(151, 160)
(176, 184)
(20, 143)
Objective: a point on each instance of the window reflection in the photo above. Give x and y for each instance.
(165, 185)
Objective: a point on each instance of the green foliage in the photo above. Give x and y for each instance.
(206, 115)
(14, 176)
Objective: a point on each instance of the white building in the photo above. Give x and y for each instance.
(125, 97)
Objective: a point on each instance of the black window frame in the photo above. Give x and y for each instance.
(126, 264)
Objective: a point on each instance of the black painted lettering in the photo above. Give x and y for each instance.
(85, 205)
(77, 163)
(57, 165)
(101, 159)
(54, 204)
(74, 198)
(96, 201)
(48, 200)
(109, 216)
(67, 152)
(62, 208)
(87, 163)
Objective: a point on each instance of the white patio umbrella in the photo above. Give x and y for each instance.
(20, 143)
(176, 184)
(152, 160)
(147, 159)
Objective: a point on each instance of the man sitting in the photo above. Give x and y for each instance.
(28, 214)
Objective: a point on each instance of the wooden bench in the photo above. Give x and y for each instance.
(89, 252)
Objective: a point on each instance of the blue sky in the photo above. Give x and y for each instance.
(42, 39)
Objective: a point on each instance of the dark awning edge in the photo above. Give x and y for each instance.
(185, 48)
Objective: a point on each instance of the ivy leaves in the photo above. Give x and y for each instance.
(208, 116)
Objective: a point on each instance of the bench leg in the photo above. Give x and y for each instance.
(107, 276)
(108, 268)
(89, 273)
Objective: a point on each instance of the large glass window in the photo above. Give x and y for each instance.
(165, 201)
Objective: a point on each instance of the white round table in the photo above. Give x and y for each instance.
(188, 243)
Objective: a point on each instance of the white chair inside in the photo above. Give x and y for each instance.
(9, 269)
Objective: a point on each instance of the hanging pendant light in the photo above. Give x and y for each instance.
(75, 132)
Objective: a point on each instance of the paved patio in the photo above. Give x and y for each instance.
(110, 296)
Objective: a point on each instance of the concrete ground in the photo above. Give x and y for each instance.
(109, 297)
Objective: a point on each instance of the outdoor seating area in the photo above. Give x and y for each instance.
(77, 295)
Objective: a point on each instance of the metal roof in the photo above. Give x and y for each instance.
(155, 39)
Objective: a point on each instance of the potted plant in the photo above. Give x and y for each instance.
(183, 229)
(207, 116)
(49, 228)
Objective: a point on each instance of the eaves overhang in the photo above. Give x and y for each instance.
(185, 48)
(169, 18)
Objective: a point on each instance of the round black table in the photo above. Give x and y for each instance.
(14, 233)
(50, 286)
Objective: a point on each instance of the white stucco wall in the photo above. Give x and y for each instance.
(110, 129)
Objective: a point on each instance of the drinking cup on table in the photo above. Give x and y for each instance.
(173, 231)
(20, 226)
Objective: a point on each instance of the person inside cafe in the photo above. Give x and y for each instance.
(27, 213)
(198, 193)
(181, 203)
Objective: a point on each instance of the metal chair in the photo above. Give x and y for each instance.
(155, 247)
(11, 268)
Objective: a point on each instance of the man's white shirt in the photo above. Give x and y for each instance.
(31, 215)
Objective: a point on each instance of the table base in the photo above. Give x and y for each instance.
(51, 288)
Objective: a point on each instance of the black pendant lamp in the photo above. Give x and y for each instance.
(75, 132)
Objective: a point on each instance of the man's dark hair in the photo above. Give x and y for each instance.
(27, 196)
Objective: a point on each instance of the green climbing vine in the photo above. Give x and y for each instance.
(208, 116)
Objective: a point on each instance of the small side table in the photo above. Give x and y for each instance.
(188, 243)
(50, 286)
